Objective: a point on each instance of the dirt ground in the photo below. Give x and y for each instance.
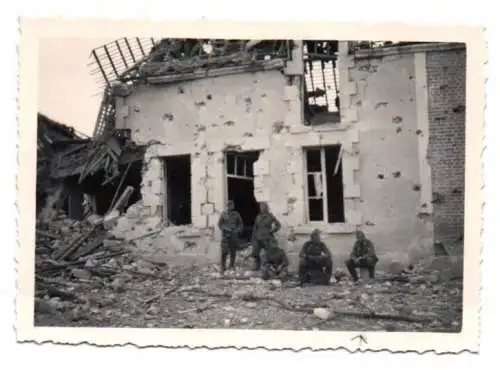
(128, 293)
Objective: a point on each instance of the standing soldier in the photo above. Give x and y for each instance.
(231, 224)
(316, 263)
(362, 255)
(265, 226)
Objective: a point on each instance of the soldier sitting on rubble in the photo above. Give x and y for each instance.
(231, 224)
(315, 264)
(275, 262)
(362, 256)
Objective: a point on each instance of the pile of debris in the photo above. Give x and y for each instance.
(65, 248)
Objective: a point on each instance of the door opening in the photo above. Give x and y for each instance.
(177, 206)
(240, 188)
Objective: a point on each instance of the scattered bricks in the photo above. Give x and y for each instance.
(207, 209)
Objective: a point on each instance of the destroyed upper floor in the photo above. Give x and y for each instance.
(126, 62)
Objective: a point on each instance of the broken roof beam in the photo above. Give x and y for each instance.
(103, 74)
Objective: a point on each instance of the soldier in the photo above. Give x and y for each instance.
(275, 263)
(362, 255)
(315, 264)
(264, 228)
(231, 224)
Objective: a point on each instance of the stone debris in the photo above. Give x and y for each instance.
(108, 286)
(322, 313)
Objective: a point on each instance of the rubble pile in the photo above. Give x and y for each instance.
(126, 292)
(84, 276)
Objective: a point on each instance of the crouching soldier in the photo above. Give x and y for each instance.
(275, 263)
(231, 224)
(362, 256)
(265, 226)
(315, 264)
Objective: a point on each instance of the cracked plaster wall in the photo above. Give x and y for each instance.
(395, 182)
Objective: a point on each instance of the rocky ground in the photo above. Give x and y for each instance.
(125, 292)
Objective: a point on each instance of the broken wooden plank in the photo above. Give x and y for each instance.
(74, 245)
(119, 186)
(120, 203)
(88, 248)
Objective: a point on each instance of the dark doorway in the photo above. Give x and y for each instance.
(178, 189)
(240, 187)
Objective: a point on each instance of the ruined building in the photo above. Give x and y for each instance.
(332, 135)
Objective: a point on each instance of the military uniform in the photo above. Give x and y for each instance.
(275, 263)
(315, 264)
(231, 224)
(263, 236)
(363, 255)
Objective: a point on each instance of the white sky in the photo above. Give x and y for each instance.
(67, 91)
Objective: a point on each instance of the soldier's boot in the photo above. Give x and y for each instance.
(257, 263)
(371, 272)
(223, 259)
(283, 273)
(266, 273)
(232, 258)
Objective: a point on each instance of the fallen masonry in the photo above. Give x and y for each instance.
(86, 277)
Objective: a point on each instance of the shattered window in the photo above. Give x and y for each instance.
(325, 184)
(321, 82)
(313, 160)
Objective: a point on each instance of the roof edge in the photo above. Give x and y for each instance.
(217, 72)
(406, 49)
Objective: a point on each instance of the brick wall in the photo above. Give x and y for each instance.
(446, 81)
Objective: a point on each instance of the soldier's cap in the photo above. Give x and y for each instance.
(316, 232)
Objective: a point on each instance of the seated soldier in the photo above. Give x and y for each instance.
(315, 264)
(275, 262)
(362, 256)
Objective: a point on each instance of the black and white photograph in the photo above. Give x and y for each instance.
(313, 185)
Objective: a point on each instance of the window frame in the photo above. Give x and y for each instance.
(324, 196)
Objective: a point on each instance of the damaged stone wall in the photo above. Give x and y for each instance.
(386, 101)
(384, 134)
(446, 73)
(204, 118)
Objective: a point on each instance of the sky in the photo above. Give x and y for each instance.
(67, 92)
